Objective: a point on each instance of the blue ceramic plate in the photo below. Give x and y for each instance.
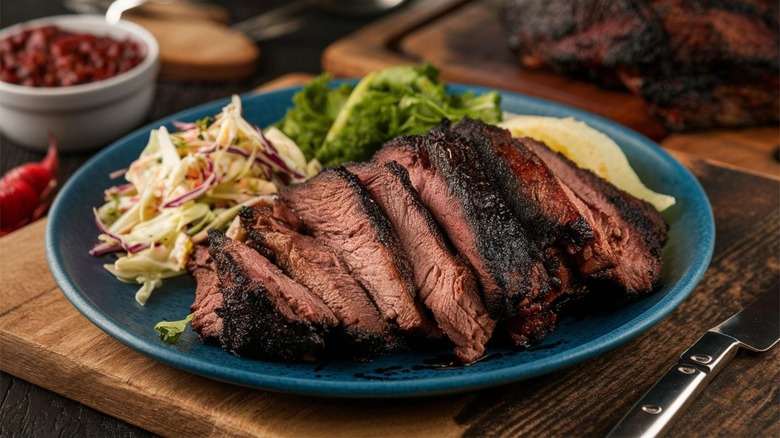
(111, 306)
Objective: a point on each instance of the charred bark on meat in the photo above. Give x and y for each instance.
(445, 283)
(454, 184)
(364, 332)
(264, 313)
(698, 63)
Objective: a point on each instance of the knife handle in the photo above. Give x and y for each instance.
(656, 411)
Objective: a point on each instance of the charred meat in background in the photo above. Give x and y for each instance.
(309, 262)
(699, 63)
(456, 187)
(587, 37)
(265, 314)
(446, 285)
(337, 209)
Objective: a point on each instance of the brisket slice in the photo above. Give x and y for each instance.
(529, 187)
(458, 189)
(547, 212)
(309, 262)
(208, 295)
(264, 313)
(626, 252)
(337, 209)
(446, 284)
(537, 319)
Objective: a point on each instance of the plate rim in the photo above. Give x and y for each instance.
(394, 388)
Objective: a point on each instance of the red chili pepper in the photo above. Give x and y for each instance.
(26, 191)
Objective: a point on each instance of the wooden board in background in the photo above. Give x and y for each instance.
(466, 40)
(755, 149)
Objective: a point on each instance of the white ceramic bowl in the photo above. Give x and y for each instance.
(85, 116)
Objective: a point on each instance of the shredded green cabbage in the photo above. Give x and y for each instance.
(185, 183)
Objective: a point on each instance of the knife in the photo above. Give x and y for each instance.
(756, 328)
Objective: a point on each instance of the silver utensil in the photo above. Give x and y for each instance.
(756, 328)
(277, 22)
(268, 25)
(116, 8)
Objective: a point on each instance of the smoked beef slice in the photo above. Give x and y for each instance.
(264, 313)
(529, 187)
(625, 255)
(556, 227)
(208, 295)
(446, 285)
(337, 209)
(309, 262)
(456, 187)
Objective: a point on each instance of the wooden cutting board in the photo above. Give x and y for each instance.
(45, 340)
(466, 40)
(196, 42)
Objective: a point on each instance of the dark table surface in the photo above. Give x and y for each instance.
(29, 410)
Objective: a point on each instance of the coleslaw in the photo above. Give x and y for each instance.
(183, 184)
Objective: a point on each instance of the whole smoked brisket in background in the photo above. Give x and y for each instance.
(698, 63)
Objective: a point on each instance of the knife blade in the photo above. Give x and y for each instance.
(756, 328)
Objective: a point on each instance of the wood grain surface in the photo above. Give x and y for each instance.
(200, 50)
(46, 341)
(467, 41)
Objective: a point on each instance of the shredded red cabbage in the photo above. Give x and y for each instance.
(184, 126)
(117, 173)
(118, 189)
(103, 229)
(103, 248)
(209, 181)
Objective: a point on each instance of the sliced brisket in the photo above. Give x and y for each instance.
(546, 211)
(309, 262)
(265, 314)
(537, 319)
(529, 187)
(458, 189)
(629, 233)
(337, 209)
(208, 295)
(445, 283)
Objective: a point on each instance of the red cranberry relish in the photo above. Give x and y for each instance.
(51, 57)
